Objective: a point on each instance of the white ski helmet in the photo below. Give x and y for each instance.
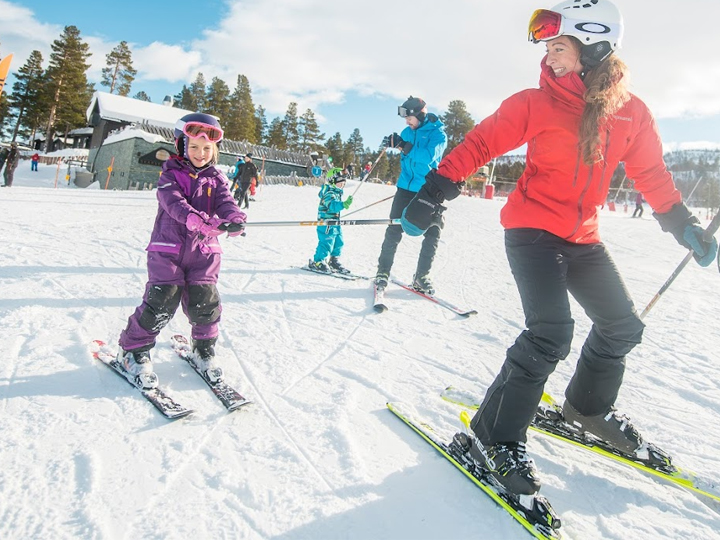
(597, 24)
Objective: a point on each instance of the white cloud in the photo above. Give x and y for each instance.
(316, 51)
(159, 61)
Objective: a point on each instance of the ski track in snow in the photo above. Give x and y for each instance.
(317, 455)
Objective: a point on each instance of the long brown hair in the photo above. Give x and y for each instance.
(606, 92)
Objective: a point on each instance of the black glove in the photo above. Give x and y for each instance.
(393, 141)
(407, 146)
(426, 208)
(233, 229)
(686, 229)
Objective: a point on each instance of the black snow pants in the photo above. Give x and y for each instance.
(393, 236)
(546, 268)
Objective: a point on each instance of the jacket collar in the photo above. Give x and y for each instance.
(569, 89)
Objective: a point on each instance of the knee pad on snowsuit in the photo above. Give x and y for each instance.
(203, 304)
(161, 303)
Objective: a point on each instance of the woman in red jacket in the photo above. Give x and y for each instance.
(578, 125)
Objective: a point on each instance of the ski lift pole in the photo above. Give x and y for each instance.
(707, 235)
(370, 171)
(693, 189)
(369, 205)
(323, 222)
(618, 189)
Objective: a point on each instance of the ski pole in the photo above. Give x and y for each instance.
(370, 171)
(369, 205)
(322, 222)
(707, 235)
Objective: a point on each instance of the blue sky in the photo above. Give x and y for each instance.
(353, 63)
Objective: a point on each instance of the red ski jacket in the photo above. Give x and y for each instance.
(557, 191)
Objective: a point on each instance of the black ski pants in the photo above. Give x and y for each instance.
(393, 236)
(546, 268)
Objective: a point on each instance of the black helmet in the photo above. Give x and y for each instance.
(413, 106)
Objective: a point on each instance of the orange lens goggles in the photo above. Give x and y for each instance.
(198, 129)
(544, 25)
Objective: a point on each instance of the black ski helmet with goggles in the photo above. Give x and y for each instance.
(413, 106)
(597, 24)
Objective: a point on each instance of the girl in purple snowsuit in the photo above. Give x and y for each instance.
(195, 207)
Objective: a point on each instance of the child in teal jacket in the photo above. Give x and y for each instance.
(330, 237)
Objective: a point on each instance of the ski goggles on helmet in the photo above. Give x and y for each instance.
(544, 25)
(199, 129)
(403, 112)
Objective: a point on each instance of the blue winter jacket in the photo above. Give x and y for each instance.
(330, 202)
(429, 142)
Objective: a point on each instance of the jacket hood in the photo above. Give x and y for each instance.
(569, 89)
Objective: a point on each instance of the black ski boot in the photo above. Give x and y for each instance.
(612, 428)
(381, 279)
(508, 463)
(423, 284)
(336, 266)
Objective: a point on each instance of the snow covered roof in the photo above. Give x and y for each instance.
(125, 109)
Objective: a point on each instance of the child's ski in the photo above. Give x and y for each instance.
(347, 277)
(157, 396)
(444, 303)
(379, 299)
(228, 396)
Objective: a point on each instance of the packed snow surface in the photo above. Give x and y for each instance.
(318, 455)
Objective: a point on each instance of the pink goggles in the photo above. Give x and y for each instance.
(196, 130)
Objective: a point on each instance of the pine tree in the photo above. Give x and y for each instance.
(119, 73)
(26, 96)
(354, 148)
(217, 100)
(197, 94)
(248, 122)
(184, 100)
(310, 135)
(276, 134)
(458, 123)
(291, 128)
(242, 121)
(336, 148)
(142, 96)
(261, 126)
(66, 87)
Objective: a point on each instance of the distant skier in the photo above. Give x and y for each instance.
(578, 126)
(235, 173)
(248, 173)
(34, 161)
(638, 206)
(422, 144)
(195, 207)
(330, 237)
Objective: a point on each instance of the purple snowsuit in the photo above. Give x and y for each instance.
(182, 266)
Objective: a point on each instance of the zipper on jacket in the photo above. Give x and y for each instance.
(577, 165)
(580, 201)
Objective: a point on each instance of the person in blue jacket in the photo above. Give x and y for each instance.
(422, 144)
(330, 237)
